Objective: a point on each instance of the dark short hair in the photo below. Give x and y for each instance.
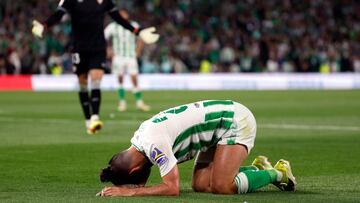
(118, 171)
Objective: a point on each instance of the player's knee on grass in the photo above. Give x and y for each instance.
(199, 185)
(222, 187)
(201, 177)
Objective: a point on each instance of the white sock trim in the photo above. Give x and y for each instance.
(135, 90)
(279, 176)
(83, 88)
(87, 123)
(242, 183)
(95, 84)
(95, 117)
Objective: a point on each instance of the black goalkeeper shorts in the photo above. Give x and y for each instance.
(85, 61)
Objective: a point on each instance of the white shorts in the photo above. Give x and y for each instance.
(121, 65)
(242, 131)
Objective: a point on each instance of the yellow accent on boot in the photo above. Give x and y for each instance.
(288, 182)
(94, 127)
(262, 163)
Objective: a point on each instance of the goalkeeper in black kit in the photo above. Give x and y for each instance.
(89, 48)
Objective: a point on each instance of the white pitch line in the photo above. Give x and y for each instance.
(309, 127)
(137, 122)
(65, 121)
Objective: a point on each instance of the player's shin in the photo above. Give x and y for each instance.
(85, 101)
(121, 92)
(137, 94)
(95, 96)
(250, 180)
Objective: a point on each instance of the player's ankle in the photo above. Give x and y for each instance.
(95, 117)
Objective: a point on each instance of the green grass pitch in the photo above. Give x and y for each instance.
(45, 155)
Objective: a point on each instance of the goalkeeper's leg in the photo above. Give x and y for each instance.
(95, 123)
(84, 98)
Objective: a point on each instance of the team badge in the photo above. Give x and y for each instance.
(158, 157)
(99, 1)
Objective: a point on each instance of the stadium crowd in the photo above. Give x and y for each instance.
(202, 36)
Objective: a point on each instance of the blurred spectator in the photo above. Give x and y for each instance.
(205, 36)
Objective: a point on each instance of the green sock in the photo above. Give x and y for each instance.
(246, 168)
(250, 180)
(137, 95)
(121, 93)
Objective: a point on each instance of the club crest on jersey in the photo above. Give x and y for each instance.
(99, 1)
(158, 157)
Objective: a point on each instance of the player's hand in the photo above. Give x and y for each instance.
(148, 35)
(37, 29)
(115, 191)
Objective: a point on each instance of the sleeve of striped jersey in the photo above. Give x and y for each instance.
(108, 31)
(165, 160)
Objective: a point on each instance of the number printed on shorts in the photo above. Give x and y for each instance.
(75, 58)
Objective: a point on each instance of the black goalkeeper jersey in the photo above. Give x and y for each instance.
(87, 22)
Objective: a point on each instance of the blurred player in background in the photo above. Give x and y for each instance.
(220, 133)
(89, 47)
(125, 50)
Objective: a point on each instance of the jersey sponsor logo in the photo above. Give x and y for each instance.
(158, 156)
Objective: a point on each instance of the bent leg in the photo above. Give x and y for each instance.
(250, 180)
(226, 165)
(201, 177)
(202, 170)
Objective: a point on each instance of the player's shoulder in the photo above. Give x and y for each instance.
(111, 25)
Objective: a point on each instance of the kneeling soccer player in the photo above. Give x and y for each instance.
(220, 133)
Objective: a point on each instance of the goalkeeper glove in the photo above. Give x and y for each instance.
(148, 35)
(37, 28)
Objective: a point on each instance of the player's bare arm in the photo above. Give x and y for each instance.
(169, 187)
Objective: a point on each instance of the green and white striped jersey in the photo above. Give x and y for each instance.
(123, 41)
(177, 134)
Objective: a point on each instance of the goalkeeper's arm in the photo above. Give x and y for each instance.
(54, 18)
(38, 28)
(148, 35)
(114, 14)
